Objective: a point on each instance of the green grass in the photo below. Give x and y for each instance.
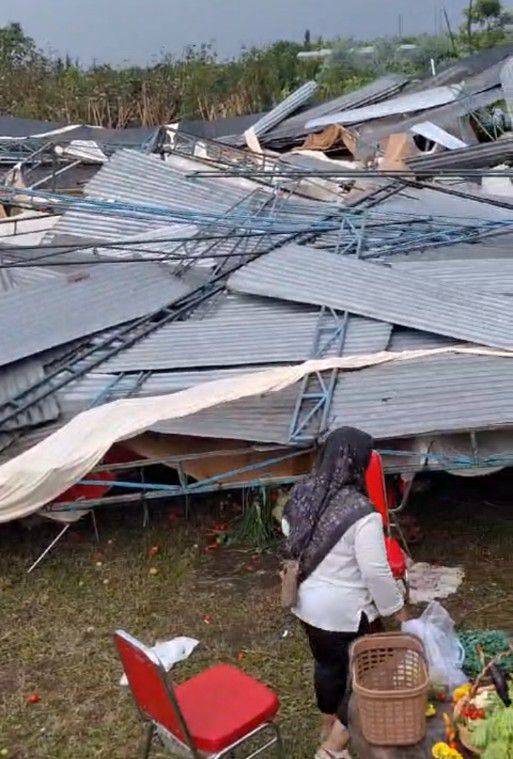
(57, 623)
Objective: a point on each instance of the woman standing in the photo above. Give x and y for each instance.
(345, 582)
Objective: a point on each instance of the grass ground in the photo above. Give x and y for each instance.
(57, 623)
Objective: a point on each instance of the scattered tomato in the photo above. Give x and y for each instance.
(34, 698)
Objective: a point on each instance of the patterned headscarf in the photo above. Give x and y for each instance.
(325, 504)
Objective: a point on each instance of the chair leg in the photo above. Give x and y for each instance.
(280, 751)
(148, 740)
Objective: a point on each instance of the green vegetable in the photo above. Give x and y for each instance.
(493, 642)
(494, 736)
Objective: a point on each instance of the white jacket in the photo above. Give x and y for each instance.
(354, 578)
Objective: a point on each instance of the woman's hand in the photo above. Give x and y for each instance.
(401, 616)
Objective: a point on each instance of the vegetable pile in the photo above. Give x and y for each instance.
(494, 736)
(492, 642)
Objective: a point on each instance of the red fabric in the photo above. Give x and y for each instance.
(220, 705)
(375, 482)
(82, 491)
(396, 558)
(223, 704)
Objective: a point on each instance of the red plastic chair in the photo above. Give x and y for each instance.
(209, 715)
(377, 492)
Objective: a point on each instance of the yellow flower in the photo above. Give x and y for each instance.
(443, 751)
(460, 692)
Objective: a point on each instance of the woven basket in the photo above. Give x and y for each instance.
(390, 681)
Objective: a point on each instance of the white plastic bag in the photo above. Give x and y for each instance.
(170, 652)
(444, 651)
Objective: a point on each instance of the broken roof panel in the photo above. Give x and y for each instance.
(40, 317)
(404, 339)
(306, 275)
(444, 393)
(133, 177)
(240, 334)
(291, 103)
(294, 127)
(437, 394)
(483, 155)
(16, 378)
(469, 66)
(444, 116)
(493, 275)
(411, 102)
(263, 418)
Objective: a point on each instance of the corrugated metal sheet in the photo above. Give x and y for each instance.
(242, 333)
(404, 339)
(19, 376)
(446, 393)
(445, 116)
(294, 127)
(40, 317)
(82, 393)
(305, 275)
(444, 208)
(411, 102)
(492, 275)
(15, 379)
(266, 419)
(480, 156)
(437, 134)
(280, 112)
(133, 177)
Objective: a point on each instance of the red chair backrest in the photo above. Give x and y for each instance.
(146, 680)
(377, 492)
(376, 488)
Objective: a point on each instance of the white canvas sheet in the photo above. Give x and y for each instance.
(46, 470)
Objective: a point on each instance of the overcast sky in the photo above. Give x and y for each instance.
(138, 31)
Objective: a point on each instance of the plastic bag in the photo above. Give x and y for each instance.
(170, 652)
(444, 651)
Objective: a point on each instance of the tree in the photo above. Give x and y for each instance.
(16, 48)
(485, 22)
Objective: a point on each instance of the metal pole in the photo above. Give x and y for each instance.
(49, 548)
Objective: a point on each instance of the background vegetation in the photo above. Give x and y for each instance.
(200, 85)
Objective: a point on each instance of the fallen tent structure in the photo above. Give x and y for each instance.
(216, 310)
(43, 472)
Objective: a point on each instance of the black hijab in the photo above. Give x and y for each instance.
(330, 499)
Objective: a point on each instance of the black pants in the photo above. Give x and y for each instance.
(331, 655)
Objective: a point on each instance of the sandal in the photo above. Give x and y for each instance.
(324, 753)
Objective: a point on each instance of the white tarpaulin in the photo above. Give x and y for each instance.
(43, 472)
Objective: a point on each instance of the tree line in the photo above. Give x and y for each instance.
(198, 84)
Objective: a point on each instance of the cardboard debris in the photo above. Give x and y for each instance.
(396, 149)
(333, 137)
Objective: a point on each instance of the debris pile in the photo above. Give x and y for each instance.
(371, 234)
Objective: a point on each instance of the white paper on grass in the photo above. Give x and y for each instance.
(169, 652)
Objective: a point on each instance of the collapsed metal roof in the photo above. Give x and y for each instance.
(253, 272)
(379, 292)
(37, 318)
